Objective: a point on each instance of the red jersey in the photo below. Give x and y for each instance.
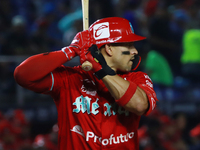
(88, 116)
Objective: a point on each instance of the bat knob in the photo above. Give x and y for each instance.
(87, 66)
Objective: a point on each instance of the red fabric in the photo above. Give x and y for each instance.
(76, 103)
(144, 82)
(195, 132)
(151, 7)
(82, 41)
(142, 132)
(87, 113)
(69, 52)
(30, 72)
(128, 95)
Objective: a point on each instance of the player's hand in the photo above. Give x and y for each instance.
(82, 41)
(99, 65)
(87, 56)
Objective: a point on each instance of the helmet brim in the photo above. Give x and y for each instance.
(135, 37)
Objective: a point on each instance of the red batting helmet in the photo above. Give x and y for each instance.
(113, 30)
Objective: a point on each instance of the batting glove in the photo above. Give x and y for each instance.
(81, 42)
(99, 65)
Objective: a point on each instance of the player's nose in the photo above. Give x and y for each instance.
(134, 51)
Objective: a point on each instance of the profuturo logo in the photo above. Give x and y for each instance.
(101, 31)
(110, 140)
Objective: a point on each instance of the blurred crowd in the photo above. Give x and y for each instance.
(16, 133)
(169, 132)
(170, 55)
(172, 28)
(156, 132)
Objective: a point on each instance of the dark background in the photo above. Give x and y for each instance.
(29, 27)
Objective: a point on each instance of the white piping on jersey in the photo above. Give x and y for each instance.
(63, 49)
(52, 78)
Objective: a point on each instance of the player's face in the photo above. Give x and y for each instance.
(124, 53)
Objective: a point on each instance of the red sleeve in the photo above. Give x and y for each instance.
(145, 83)
(35, 72)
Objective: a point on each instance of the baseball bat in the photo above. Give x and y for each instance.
(85, 11)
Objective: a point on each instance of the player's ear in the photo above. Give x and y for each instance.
(108, 49)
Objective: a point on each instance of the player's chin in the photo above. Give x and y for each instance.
(128, 68)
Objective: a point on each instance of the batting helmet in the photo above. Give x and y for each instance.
(113, 30)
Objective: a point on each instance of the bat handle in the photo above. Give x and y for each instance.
(87, 66)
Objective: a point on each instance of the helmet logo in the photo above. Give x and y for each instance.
(101, 31)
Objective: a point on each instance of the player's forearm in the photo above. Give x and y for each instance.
(138, 103)
(117, 86)
(38, 66)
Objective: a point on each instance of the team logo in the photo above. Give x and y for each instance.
(78, 129)
(89, 87)
(110, 140)
(101, 31)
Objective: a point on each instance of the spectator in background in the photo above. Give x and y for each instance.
(195, 135)
(50, 17)
(161, 37)
(7, 11)
(106, 9)
(178, 26)
(190, 58)
(14, 131)
(164, 132)
(6, 80)
(181, 136)
(17, 42)
(193, 10)
(39, 37)
(159, 70)
(150, 8)
(48, 141)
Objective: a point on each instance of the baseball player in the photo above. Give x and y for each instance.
(100, 108)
